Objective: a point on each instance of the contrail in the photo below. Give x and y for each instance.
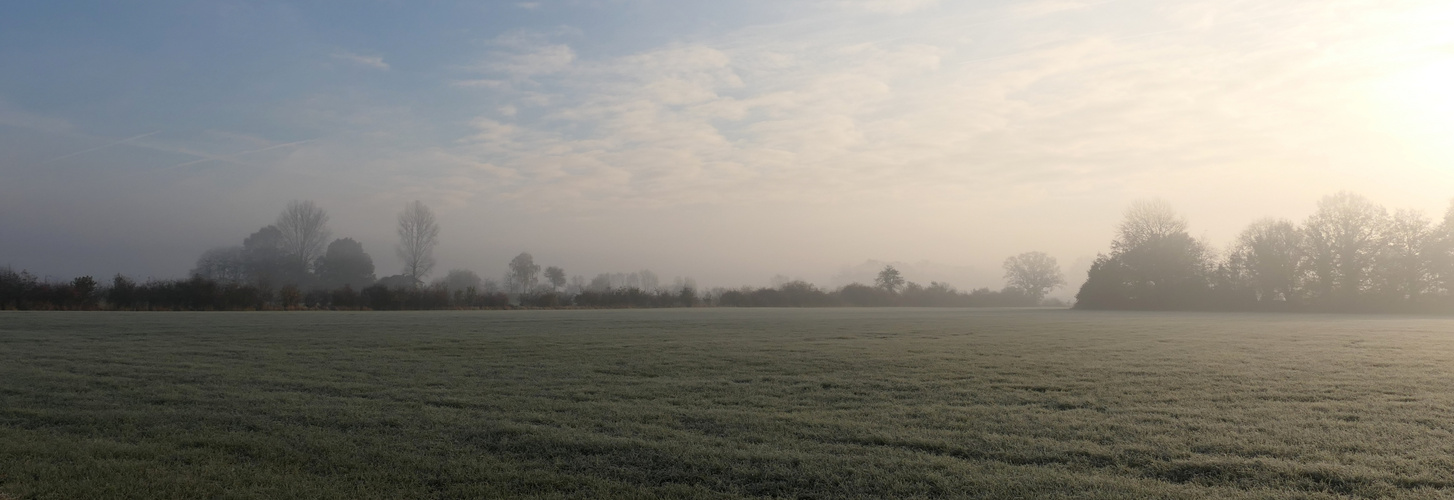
(233, 157)
(269, 148)
(84, 151)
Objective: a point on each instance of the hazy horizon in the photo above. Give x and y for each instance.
(724, 142)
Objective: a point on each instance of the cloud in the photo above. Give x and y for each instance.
(487, 83)
(885, 6)
(519, 56)
(10, 116)
(372, 62)
(947, 122)
(537, 61)
(1040, 8)
(667, 126)
(103, 146)
(772, 115)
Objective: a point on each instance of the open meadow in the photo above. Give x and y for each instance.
(725, 403)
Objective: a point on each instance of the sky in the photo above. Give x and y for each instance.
(729, 142)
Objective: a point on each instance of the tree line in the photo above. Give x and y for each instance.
(1350, 255)
(294, 264)
(462, 289)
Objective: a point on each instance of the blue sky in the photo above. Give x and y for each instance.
(729, 141)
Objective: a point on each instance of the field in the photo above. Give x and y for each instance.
(725, 403)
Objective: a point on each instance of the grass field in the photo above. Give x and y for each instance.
(723, 403)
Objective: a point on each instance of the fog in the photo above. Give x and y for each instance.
(727, 143)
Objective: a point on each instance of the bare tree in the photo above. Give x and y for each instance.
(418, 235)
(1268, 257)
(1154, 263)
(225, 264)
(1147, 220)
(649, 281)
(602, 282)
(461, 280)
(889, 279)
(1343, 239)
(1440, 253)
(1034, 272)
(305, 233)
(1404, 264)
(523, 271)
(556, 277)
(778, 280)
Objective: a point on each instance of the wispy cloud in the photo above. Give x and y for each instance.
(520, 57)
(785, 115)
(886, 6)
(373, 62)
(488, 83)
(1039, 8)
(918, 114)
(11, 116)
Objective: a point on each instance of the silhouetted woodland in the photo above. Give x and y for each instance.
(291, 264)
(24, 291)
(1351, 255)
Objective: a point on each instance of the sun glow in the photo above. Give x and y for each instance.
(1429, 92)
(1415, 102)
(1417, 107)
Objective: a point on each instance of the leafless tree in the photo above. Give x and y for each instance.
(1034, 272)
(1147, 220)
(1405, 262)
(648, 280)
(225, 265)
(1344, 237)
(1439, 250)
(418, 235)
(523, 272)
(305, 233)
(556, 277)
(460, 280)
(1268, 257)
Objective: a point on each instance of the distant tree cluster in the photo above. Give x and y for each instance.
(890, 290)
(293, 264)
(1351, 255)
(638, 298)
(463, 289)
(22, 290)
(293, 251)
(290, 264)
